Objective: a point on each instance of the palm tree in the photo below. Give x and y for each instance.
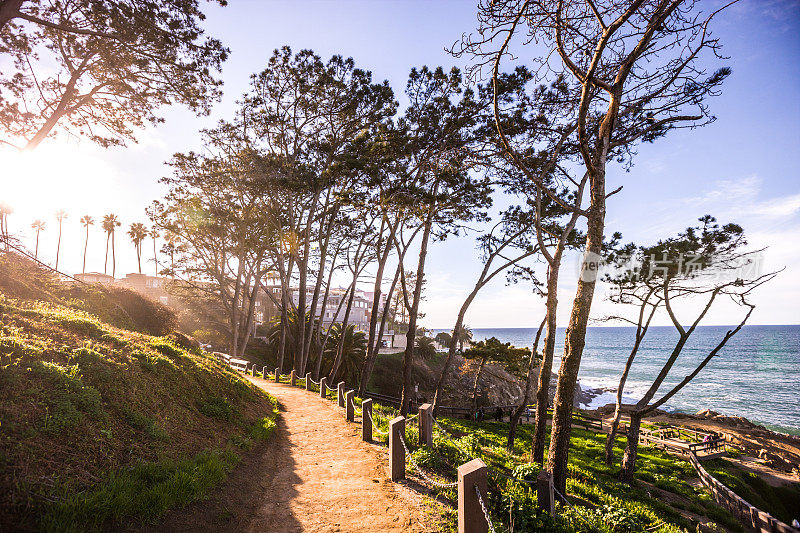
(464, 334)
(38, 225)
(154, 236)
(87, 221)
(424, 347)
(138, 233)
(5, 210)
(60, 216)
(354, 350)
(109, 225)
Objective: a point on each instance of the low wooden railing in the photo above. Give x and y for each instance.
(750, 516)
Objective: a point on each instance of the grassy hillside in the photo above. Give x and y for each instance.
(101, 425)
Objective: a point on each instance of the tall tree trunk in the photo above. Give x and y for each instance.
(546, 368)
(408, 356)
(576, 331)
(513, 420)
(320, 342)
(632, 448)
(372, 354)
(345, 321)
(36, 253)
(155, 256)
(376, 297)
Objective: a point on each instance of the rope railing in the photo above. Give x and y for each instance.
(375, 426)
(577, 512)
(483, 508)
(421, 471)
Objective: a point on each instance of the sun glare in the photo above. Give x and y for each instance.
(52, 177)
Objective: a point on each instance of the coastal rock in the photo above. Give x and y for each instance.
(706, 413)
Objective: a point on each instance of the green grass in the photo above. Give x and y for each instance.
(145, 491)
(601, 502)
(102, 427)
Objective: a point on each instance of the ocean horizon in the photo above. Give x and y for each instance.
(756, 375)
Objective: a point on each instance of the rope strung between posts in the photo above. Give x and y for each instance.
(450, 438)
(422, 472)
(580, 514)
(412, 417)
(375, 427)
(314, 382)
(483, 508)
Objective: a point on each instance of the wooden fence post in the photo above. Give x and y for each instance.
(308, 381)
(366, 420)
(293, 378)
(397, 453)
(277, 375)
(350, 408)
(264, 372)
(323, 382)
(470, 515)
(340, 394)
(545, 498)
(426, 424)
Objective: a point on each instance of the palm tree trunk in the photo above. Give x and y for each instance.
(113, 256)
(105, 264)
(58, 247)
(36, 254)
(85, 248)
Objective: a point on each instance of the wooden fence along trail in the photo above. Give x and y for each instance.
(473, 515)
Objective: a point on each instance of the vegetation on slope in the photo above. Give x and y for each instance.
(661, 498)
(100, 425)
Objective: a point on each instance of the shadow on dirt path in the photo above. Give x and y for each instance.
(315, 474)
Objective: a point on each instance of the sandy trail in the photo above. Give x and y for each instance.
(315, 474)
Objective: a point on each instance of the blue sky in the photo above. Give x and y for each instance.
(745, 167)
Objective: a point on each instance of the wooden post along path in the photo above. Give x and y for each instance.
(293, 378)
(545, 499)
(323, 385)
(340, 394)
(350, 408)
(426, 424)
(308, 381)
(264, 372)
(366, 420)
(397, 453)
(471, 518)
(277, 375)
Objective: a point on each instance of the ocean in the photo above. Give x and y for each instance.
(756, 375)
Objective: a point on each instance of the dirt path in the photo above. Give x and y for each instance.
(315, 474)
